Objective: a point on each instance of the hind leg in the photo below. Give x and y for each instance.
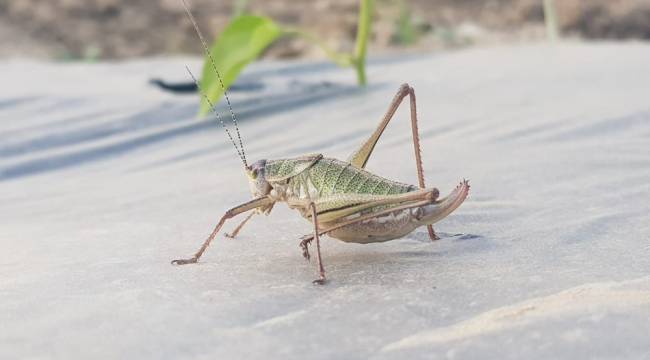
(360, 157)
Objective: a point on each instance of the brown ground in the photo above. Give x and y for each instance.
(124, 28)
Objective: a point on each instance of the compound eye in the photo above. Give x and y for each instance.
(254, 174)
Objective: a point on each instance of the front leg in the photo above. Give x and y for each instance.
(253, 204)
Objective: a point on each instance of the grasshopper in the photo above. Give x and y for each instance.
(340, 198)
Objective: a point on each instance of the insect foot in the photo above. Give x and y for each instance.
(184, 261)
(304, 245)
(320, 281)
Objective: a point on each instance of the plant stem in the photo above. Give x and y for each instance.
(359, 66)
(550, 18)
(364, 28)
(239, 8)
(358, 58)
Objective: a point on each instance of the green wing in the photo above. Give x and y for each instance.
(279, 170)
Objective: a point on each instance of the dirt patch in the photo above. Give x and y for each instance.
(119, 29)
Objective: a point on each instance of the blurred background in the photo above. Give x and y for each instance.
(106, 176)
(117, 29)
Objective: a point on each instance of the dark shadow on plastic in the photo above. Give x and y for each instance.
(146, 119)
(6, 103)
(249, 81)
(166, 114)
(189, 87)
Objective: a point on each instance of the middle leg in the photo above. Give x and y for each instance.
(321, 270)
(304, 245)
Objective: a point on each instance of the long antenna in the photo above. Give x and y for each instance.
(242, 155)
(214, 111)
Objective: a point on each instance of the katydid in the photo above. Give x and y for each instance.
(340, 198)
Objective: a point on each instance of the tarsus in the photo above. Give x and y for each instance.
(241, 154)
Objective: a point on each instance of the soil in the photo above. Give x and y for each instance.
(113, 29)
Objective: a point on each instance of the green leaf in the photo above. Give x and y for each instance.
(240, 43)
(364, 29)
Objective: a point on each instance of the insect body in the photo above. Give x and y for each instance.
(341, 198)
(343, 191)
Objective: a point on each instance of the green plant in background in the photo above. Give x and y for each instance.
(550, 20)
(239, 7)
(247, 36)
(240, 43)
(406, 31)
(364, 27)
(409, 27)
